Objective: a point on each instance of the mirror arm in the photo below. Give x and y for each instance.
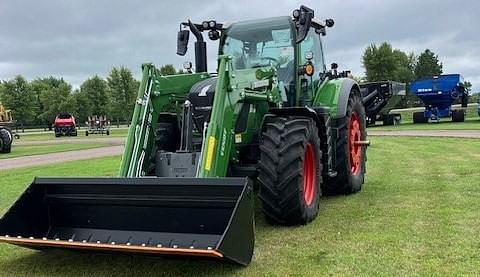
(195, 31)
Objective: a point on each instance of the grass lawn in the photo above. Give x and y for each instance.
(407, 115)
(418, 214)
(81, 134)
(29, 150)
(469, 124)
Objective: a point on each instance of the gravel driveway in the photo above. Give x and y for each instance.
(110, 141)
(428, 133)
(36, 160)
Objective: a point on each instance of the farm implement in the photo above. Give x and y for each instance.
(438, 94)
(381, 97)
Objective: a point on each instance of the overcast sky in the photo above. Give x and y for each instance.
(76, 39)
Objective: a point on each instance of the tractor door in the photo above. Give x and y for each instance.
(310, 51)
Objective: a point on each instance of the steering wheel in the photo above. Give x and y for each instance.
(277, 63)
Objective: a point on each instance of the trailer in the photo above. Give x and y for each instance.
(97, 125)
(438, 94)
(380, 98)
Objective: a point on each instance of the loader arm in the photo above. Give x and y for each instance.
(233, 89)
(156, 94)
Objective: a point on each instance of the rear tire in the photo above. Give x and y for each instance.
(388, 120)
(419, 117)
(5, 141)
(350, 161)
(458, 116)
(290, 170)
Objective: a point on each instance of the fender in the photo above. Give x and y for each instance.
(334, 94)
(345, 90)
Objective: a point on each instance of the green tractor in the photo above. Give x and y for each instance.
(272, 119)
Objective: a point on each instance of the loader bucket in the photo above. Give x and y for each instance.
(208, 217)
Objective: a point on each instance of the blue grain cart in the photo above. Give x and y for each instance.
(438, 94)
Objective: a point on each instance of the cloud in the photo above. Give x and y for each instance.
(76, 39)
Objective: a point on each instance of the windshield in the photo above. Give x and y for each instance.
(260, 43)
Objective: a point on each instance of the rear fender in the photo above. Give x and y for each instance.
(335, 94)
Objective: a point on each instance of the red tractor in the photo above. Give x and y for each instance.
(65, 125)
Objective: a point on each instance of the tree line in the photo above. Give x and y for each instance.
(37, 102)
(383, 62)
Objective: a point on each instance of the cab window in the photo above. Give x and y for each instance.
(313, 44)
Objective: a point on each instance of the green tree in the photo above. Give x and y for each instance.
(404, 65)
(383, 63)
(52, 95)
(428, 65)
(168, 69)
(123, 89)
(17, 96)
(84, 107)
(96, 90)
(379, 62)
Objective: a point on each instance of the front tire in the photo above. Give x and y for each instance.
(5, 141)
(290, 170)
(419, 117)
(350, 159)
(458, 116)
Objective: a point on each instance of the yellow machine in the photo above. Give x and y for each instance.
(6, 136)
(5, 115)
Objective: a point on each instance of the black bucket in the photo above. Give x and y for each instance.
(209, 217)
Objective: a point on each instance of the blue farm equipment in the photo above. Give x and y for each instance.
(438, 94)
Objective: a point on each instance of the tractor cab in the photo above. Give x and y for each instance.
(288, 46)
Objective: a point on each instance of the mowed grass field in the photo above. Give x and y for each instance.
(472, 122)
(407, 114)
(34, 136)
(418, 214)
(469, 124)
(29, 150)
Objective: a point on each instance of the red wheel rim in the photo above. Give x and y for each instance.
(355, 151)
(309, 175)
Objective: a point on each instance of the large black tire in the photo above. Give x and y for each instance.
(388, 119)
(350, 161)
(419, 117)
(6, 139)
(458, 116)
(290, 170)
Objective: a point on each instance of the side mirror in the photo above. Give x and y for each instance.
(303, 18)
(182, 42)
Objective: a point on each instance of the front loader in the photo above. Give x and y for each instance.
(271, 120)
